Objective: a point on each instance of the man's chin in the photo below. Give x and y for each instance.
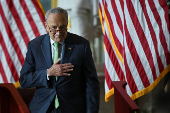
(59, 39)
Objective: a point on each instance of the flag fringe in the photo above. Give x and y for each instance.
(38, 1)
(100, 16)
(152, 86)
(17, 84)
(111, 37)
(109, 94)
(142, 92)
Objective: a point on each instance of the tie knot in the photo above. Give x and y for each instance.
(55, 44)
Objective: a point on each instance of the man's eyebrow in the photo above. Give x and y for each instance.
(59, 26)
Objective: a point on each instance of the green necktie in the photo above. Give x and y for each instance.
(54, 60)
(56, 52)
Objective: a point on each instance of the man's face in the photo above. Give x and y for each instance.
(57, 26)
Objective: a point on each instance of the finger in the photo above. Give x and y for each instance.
(66, 74)
(58, 61)
(67, 66)
(67, 70)
(62, 70)
(62, 74)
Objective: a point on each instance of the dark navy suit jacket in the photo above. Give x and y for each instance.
(77, 93)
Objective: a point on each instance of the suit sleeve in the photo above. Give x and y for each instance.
(91, 81)
(29, 76)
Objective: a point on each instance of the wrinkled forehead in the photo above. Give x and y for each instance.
(57, 19)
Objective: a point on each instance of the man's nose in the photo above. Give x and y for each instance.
(58, 31)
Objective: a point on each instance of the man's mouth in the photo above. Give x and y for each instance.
(58, 36)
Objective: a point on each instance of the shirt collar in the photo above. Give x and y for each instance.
(52, 42)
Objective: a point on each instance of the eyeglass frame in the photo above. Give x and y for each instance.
(52, 29)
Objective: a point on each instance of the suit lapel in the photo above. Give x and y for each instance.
(66, 52)
(46, 49)
(67, 49)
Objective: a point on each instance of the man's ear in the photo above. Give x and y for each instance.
(46, 26)
(68, 25)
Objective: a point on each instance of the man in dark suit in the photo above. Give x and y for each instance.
(68, 85)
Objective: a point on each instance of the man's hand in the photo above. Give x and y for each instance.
(60, 69)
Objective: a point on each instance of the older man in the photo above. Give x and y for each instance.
(60, 65)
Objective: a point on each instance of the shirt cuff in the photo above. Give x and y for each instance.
(48, 77)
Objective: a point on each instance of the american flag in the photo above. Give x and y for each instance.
(136, 44)
(20, 22)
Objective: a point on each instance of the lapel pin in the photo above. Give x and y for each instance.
(69, 48)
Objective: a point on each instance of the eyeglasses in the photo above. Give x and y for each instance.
(53, 29)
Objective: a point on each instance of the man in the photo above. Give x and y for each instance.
(70, 84)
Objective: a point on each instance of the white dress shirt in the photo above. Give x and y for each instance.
(53, 50)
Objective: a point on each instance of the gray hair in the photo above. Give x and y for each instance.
(56, 10)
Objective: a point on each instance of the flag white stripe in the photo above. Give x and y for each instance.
(35, 17)
(116, 26)
(133, 69)
(129, 58)
(119, 8)
(101, 3)
(102, 9)
(15, 34)
(10, 48)
(110, 68)
(14, 28)
(144, 25)
(107, 33)
(163, 21)
(146, 62)
(165, 29)
(1, 80)
(24, 19)
(128, 90)
(156, 31)
(106, 86)
(138, 46)
(6, 67)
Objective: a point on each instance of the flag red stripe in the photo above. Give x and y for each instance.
(113, 58)
(165, 8)
(12, 37)
(31, 21)
(100, 8)
(103, 1)
(3, 73)
(10, 15)
(153, 36)
(122, 4)
(135, 58)
(108, 79)
(9, 60)
(39, 11)
(117, 42)
(141, 65)
(143, 42)
(18, 21)
(118, 19)
(161, 36)
(130, 81)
